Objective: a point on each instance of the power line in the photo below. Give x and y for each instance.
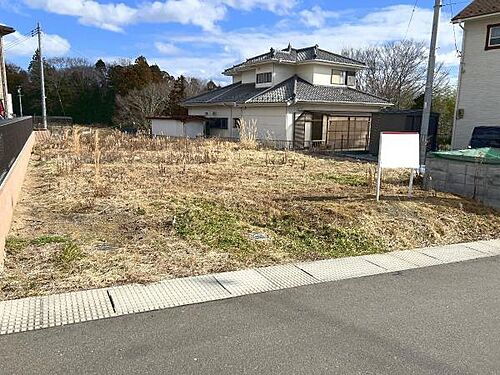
(66, 46)
(411, 19)
(454, 32)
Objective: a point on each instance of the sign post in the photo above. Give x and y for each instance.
(398, 150)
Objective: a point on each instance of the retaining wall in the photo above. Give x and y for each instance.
(10, 189)
(472, 180)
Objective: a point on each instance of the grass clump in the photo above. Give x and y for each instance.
(14, 244)
(69, 253)
(325, 240)
(213, 225)
(48, 239)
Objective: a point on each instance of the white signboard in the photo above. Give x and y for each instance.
(398, 150)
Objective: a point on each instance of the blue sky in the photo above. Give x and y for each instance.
(202, 37)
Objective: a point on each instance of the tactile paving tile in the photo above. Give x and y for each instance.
(487, 247)
(167, 293)
(388, 262)
(414, 257)
(244, 282)
(135, 298)
(342, 268)
(194, 289)
(49, 311)
(451, 253)
(286, 276)
(495, 243)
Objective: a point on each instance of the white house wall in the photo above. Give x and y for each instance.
(168, 128)
(176, 128)
(479, 91)
(271, 121)
(282, 72)
(248, 76)
(322, 75)
(237, 78)
(306, 72)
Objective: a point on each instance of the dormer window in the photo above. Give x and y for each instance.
(338, 77)
(493, 37)
(264, 77)
(351, 79)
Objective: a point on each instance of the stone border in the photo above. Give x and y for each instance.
(33, 313)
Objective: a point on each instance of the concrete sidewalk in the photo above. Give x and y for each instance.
(432, 320)
(60, 309)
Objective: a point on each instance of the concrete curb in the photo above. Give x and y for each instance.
(33, 313)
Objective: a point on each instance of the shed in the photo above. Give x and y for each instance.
(178, 126)
(400, 121)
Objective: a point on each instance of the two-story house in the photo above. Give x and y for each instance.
(478, 96)
(300, 96)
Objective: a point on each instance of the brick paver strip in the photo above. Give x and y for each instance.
(32, 313)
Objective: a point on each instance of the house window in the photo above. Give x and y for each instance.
(338, 77)
(493, 37)
(237, 123)
(351, 79)
(217, 123)
(264, 77)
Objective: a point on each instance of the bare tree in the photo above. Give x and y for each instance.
(195, 86)
(396, 71)
(133, 109)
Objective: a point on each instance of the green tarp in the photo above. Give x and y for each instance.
(486, 155)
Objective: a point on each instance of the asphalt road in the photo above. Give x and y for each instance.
(436, 320)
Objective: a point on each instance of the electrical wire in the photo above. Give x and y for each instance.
(459, 53)
(65, 46)
(411, 19)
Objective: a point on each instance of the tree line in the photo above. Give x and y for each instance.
(121, 93)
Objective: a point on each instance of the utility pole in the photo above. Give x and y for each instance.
(20, 101)
(42, 77)
(426, 113)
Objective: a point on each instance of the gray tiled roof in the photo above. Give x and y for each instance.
(334, 94)
(478, 8)
(292, 89)
(293, 55)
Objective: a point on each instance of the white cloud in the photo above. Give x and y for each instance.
(316, 16)
(167, 48)
(115, 16)
(202, 67)
(16, 44)
(382, 25)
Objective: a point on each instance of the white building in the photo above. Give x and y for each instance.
(478, 98)
(5, 98)
(178, 126)
(304, 96)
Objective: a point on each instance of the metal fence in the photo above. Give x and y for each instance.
(52, 121)
(13, 136)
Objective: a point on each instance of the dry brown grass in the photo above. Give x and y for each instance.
(102, 208)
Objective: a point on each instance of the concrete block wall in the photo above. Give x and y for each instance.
(471, 180)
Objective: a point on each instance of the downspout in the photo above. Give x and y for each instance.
(3, 78)
(457, 99)
(230, 122)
